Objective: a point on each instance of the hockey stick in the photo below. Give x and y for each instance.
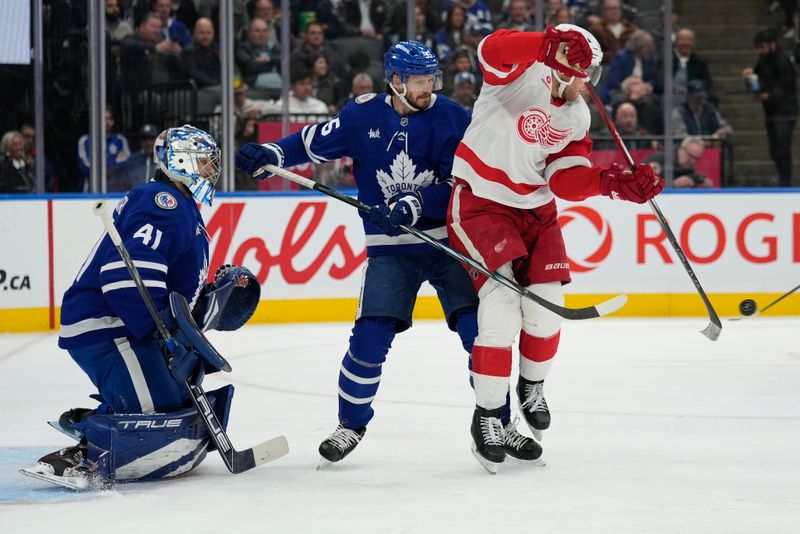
(572, 314)
(768, 306)
(714, 328)
(235, 461)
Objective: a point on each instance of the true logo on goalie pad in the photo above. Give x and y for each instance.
(166, 201)
(144, 424)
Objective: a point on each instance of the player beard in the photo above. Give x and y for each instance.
(421, 101)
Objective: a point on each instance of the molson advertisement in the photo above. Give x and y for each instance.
(308, 252)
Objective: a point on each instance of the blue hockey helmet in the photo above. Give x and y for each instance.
(408, 58)
(191, 156)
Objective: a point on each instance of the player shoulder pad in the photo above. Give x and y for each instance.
(362, 99)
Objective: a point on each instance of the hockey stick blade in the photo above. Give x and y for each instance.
(235, 461)
(571, 314)
(259, 454)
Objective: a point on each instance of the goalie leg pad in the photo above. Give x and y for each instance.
(150, 446)
(360, 374)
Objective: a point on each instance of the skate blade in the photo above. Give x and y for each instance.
(537, 434)
(73, 483)
(539, 462)
(324, 463)
(490, 466)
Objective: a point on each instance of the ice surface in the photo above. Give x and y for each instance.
(655, 429)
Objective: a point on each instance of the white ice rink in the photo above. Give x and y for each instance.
(655, 429)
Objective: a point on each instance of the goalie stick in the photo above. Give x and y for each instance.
(572, 314)
(714, 328)
(235, 461)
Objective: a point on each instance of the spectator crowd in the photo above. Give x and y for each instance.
(156, 47)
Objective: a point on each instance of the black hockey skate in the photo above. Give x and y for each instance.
(518, 446)
(533, 406)
(64, 467)
(339, 444)
(487, 438)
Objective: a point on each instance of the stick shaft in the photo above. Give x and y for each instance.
(713, 330)
(567, 313)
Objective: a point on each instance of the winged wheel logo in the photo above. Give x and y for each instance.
(534, 127)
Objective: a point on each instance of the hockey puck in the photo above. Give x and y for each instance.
(747, 307)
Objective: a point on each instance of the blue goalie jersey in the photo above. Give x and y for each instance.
(167, 241)
(392, 154)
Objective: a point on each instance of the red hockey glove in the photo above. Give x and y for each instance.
(638, 186)
(578, 51)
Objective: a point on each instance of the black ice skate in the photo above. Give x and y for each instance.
(518, 446)
(339, 444)
(64, 467)
(533, 406)
(487, 438)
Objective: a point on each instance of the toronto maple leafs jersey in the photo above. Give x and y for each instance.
(392, 154)
(167, 241)
(519, 136)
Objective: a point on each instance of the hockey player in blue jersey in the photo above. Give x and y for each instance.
(145, 426)
(402, 144)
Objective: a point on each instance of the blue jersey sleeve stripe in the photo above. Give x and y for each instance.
(90, 325)
(140, 264)
(130, 283)
(308, 133)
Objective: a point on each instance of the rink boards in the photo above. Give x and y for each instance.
(308, 252)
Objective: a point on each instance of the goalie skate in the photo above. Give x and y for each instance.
(63, 468)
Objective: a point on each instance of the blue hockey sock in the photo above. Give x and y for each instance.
(360, 374)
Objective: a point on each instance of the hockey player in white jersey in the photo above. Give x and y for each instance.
(528, 141)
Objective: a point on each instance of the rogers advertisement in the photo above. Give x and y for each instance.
(307, 246)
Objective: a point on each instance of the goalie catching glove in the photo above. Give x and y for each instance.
(229, 301)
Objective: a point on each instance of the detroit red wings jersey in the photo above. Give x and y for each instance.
(519, 137)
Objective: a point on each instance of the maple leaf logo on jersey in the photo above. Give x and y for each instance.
(403, 178)
(534, 127)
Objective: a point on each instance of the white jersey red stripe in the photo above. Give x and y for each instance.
(519, 136)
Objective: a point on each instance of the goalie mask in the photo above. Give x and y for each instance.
(190, 156)
(592, 73)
